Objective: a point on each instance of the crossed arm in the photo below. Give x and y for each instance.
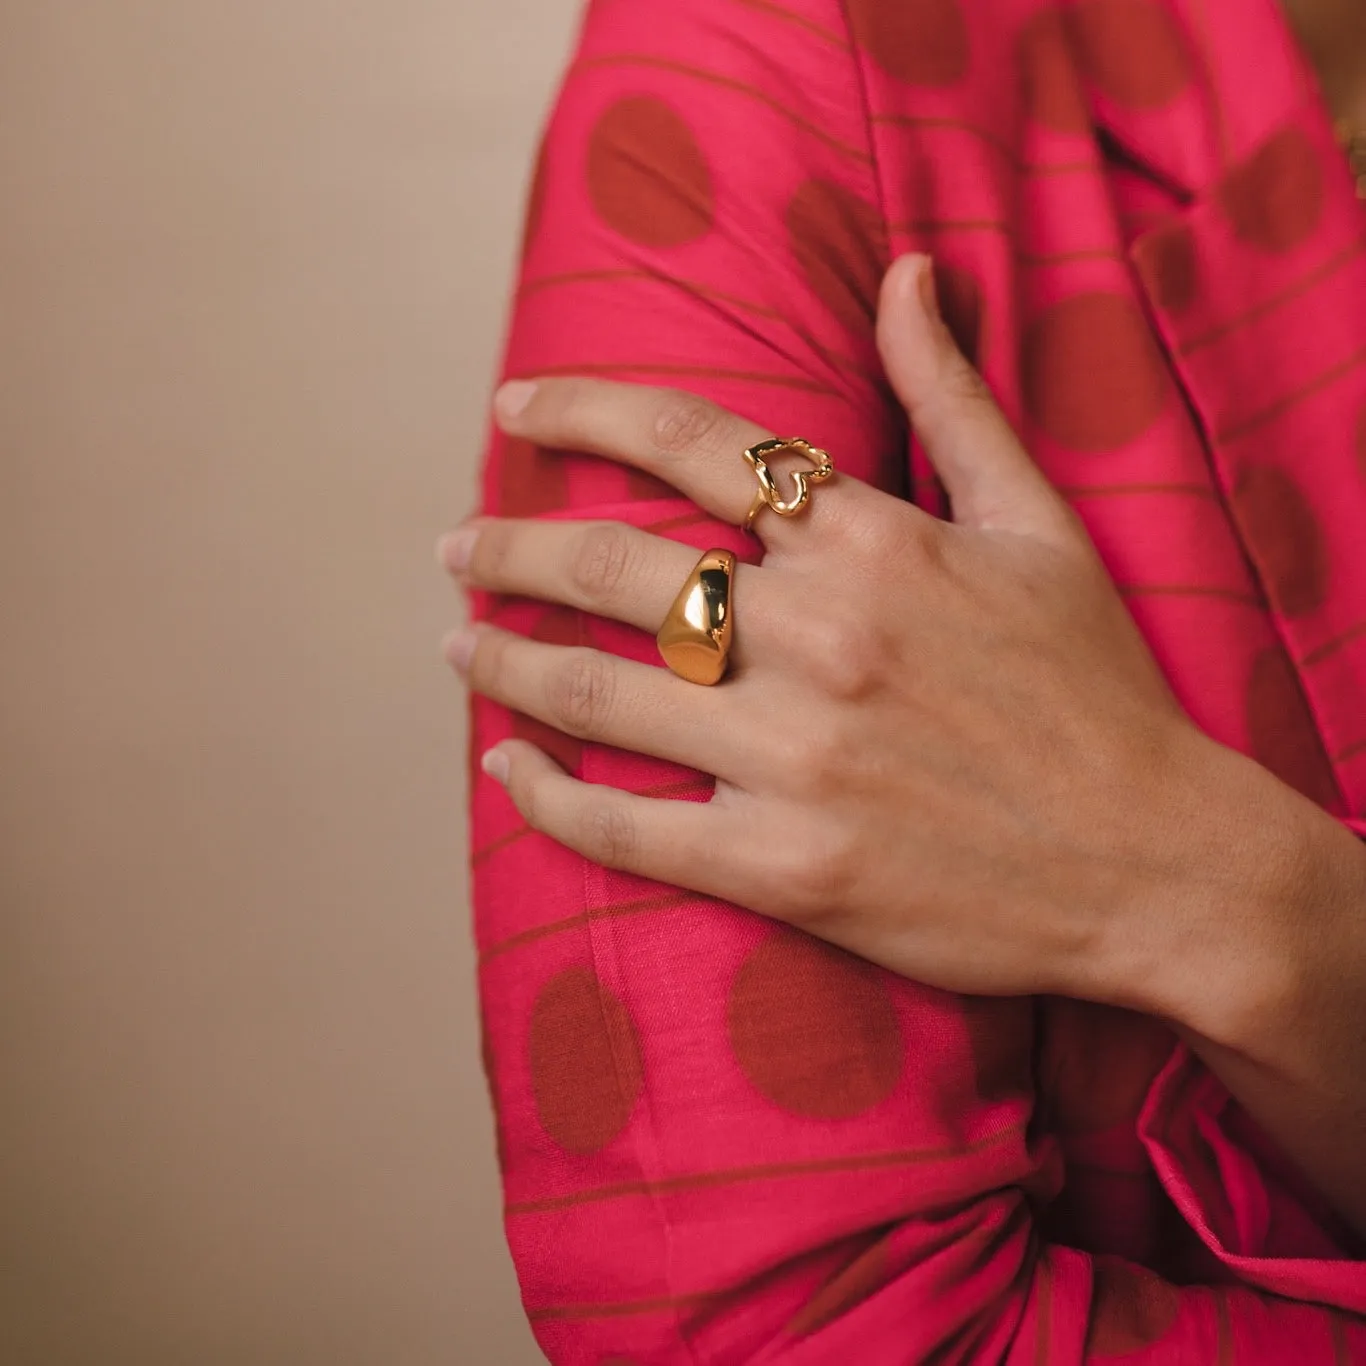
(723, 1141)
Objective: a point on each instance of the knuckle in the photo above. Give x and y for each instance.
(580, 695)
(610, 836)
(685, 423)
(845, 657)
(601, 561)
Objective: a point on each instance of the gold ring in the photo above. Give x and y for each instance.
(768, 495)
(695, 638)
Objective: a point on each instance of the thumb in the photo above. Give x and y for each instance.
(989, 476)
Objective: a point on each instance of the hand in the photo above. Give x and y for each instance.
(977, 774)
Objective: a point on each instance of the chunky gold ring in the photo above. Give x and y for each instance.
(768, 495)
(695, 638)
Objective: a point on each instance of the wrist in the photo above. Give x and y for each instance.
(1245, 903)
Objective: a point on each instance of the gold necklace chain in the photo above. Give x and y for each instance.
(1353, 142)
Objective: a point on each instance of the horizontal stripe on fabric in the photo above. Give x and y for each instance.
(772, 1171)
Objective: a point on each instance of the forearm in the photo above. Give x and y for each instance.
(1258, 956)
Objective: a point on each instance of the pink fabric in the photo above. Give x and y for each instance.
(724, 1142)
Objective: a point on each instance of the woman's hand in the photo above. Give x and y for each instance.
(944, 746)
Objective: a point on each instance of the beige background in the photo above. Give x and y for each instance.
(253, 258)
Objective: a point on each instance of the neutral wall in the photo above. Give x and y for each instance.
(252, 265)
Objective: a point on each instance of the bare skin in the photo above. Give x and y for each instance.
(1074, 833)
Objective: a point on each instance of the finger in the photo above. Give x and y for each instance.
(687, 441)
(596, 696)
(607, 568)
(989, 475)
(684, 844)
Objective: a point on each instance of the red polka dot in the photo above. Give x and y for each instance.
(1093, 377)
(559, 626)
(1281, 732)
(647, 177)
(960, 303)
(531, 480)
(840, 243)
(1050, 87)
(1283, 537)
(586, 1073)
(921, 42)
(1097, 1064)
(1274, 200)
(857, 1280)
(1167, 262)
(1132, 50)
(813, 1028)
(1131, 1308)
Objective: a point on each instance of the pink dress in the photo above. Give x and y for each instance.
(723, 1141)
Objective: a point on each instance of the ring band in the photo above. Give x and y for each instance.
(696, 636)
(768, 495)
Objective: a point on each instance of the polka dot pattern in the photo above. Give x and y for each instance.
(1169, 267)
(647, 176)
(1285, 536)
(1049, 83)
(531, 479)
(559, 626)
(856, 1282)
(780, 1052)
(1132, 51)
(1131, 1307)
(1093, 377)
(920, 42)
(1275, 199)
(1281, 732)
(586, 1073)
(840, 245)
(814, 1028)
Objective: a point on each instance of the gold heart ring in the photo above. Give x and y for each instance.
(768, 495)
(695, 638)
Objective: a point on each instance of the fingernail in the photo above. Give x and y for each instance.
(496, 764)
(510, 401)
(454, 549)
(458, 647)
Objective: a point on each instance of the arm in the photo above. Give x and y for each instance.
(723, 1141)
(1262, 962)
